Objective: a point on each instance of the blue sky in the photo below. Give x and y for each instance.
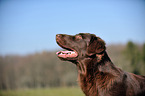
(29, 26)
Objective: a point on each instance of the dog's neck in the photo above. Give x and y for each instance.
(98, 63)
(94, 74)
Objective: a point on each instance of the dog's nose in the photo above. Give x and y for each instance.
(58, 35)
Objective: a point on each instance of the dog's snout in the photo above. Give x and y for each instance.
(58, 35)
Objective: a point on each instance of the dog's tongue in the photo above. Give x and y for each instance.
(65, 54)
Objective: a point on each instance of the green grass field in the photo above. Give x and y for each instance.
(73, 91)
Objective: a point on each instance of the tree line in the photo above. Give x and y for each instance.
(41, 70)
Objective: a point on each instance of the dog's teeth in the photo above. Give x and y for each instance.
(60, 53)
(72, 52)
(69, 53)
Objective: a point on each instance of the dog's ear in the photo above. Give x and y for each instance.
(96, 46)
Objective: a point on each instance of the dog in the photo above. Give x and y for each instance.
(97, 75)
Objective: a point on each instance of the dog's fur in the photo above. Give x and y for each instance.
(98, 76)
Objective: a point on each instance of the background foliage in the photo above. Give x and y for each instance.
(45, 70)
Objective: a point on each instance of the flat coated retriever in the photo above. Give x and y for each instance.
(97, 75)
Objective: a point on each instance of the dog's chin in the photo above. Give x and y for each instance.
(67, 59)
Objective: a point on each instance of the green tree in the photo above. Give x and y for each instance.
(133, 56)
(143, 53)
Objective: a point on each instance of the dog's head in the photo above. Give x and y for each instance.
(79, 46)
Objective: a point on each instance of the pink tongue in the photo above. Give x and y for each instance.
(65, 54)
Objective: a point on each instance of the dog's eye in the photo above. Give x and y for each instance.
(78, 37)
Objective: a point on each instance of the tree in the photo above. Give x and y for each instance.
(133, 55)
(143, 53)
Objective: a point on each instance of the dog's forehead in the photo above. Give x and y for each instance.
(86, 35)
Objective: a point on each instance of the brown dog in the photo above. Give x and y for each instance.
(98, 76)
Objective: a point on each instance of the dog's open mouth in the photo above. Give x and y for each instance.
(66, 54)
(69, 53)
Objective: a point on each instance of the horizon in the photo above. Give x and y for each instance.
(108, 46)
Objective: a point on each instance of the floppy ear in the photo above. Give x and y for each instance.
(96, 45)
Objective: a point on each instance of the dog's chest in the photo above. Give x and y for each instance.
(93, 85)
(88, 85)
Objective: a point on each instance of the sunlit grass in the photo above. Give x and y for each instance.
(73, 91)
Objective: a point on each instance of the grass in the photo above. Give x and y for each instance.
(73, 91)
